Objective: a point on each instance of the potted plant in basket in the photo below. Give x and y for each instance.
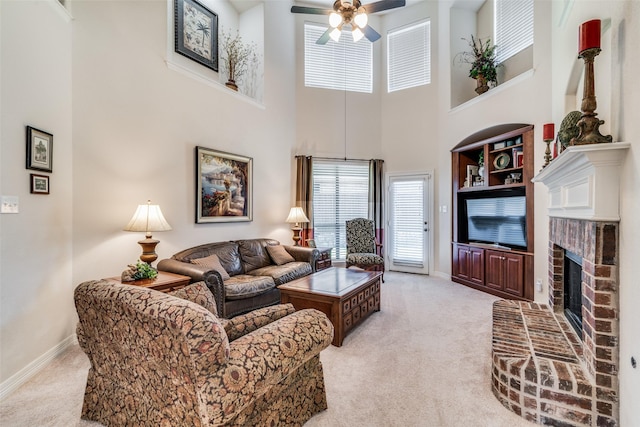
(236, 57)
(483, 63)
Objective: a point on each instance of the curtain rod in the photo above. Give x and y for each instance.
(334, 158)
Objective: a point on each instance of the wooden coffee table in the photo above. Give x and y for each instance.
(346, 296)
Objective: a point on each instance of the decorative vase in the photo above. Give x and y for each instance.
(482, 85)
(231, 84)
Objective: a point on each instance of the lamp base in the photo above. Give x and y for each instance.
(296, 235)
(148, 250)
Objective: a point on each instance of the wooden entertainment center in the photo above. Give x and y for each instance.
(503, 267)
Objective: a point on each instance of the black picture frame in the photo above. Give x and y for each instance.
(194, 24)
(224, 186)
(39, 150)
(39, 184)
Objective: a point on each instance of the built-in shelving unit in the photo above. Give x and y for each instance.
(494, 164)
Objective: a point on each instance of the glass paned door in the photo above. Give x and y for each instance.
(409, 223)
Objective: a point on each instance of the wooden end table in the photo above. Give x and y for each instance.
(164, 281)
(346, 296)
(325, 259)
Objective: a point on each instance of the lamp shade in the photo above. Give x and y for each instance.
(148, 218)
(296, 216)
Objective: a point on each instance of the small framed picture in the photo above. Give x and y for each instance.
(39, 184)
(196, 32)
(39, 150)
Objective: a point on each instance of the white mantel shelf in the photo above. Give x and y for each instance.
(584, 181)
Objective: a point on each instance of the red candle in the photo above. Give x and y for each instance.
(589, 35)
(547, 132)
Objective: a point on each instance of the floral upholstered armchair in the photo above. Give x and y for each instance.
(363, 250)
(167, 360)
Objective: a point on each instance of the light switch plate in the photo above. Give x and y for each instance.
(9, 204)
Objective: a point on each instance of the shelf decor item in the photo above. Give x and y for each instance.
(547, 136)
(196, 32)
(237, 58)
(589, 124)
(483, 62)
(501, 161)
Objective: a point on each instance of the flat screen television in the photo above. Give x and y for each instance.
(500, 220)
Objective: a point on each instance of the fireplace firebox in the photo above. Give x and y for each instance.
(573, 290)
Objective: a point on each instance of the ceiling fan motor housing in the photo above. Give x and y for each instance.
(347, 9)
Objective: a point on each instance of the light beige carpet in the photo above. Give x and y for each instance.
(423, 360)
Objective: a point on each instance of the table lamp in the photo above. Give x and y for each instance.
(296, 216)
(148, 218)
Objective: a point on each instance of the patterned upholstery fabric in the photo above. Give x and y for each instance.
(362, 247)
(245, 286)
(158, 360)
(283, 273)
(200, 294)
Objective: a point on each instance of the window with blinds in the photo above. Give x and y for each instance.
(408, 222)
(409, 56)
(340, 193)
(513, 27)
(342, 65)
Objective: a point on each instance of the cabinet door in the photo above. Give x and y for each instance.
(514, 274)
(461, 263)
(476, 268)
(505, 272)
(495, 270)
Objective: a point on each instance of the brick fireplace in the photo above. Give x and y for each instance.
(542, 370)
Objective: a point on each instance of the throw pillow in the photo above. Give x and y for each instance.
(279, 254)
(198, 293)
(213, 262)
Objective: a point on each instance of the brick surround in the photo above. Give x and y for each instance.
(542, 370)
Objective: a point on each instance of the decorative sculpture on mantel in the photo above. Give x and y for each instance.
(589, 124)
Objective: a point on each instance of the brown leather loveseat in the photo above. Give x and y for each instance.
(243, 275)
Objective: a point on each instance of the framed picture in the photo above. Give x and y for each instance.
(39, 184)
(39, 150)
(223, 186)
(196, 32)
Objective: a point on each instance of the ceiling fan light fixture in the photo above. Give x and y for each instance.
(357, 34)
(361, 18)
(335, 19)
(335, 34)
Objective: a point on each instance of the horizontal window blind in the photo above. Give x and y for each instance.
(340, 193)
(513, 27)
(409, 56)
(408, 222)
(342, 65)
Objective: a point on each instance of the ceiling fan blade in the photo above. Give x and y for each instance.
(381, 5)
(310, 10)
(371, 34)
(325, 37)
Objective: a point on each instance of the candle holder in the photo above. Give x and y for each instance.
(547, 153)
(589, 124)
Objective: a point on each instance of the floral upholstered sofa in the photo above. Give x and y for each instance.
(166, 360)
(243, 274)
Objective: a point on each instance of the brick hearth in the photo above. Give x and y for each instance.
(542, 370)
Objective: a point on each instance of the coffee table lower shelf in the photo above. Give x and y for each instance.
(347, 297)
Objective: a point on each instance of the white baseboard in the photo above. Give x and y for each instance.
(442, 275)
(25, 374)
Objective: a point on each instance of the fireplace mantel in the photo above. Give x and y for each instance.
(584, 182)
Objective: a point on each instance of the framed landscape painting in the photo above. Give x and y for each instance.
(196, 32)
(223, 186)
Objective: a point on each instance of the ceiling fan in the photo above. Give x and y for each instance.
(351, 13)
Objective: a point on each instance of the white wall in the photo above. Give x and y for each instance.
(35, 247)
(616, 70)
(136, 125)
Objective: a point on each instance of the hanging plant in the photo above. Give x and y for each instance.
(484, 66)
